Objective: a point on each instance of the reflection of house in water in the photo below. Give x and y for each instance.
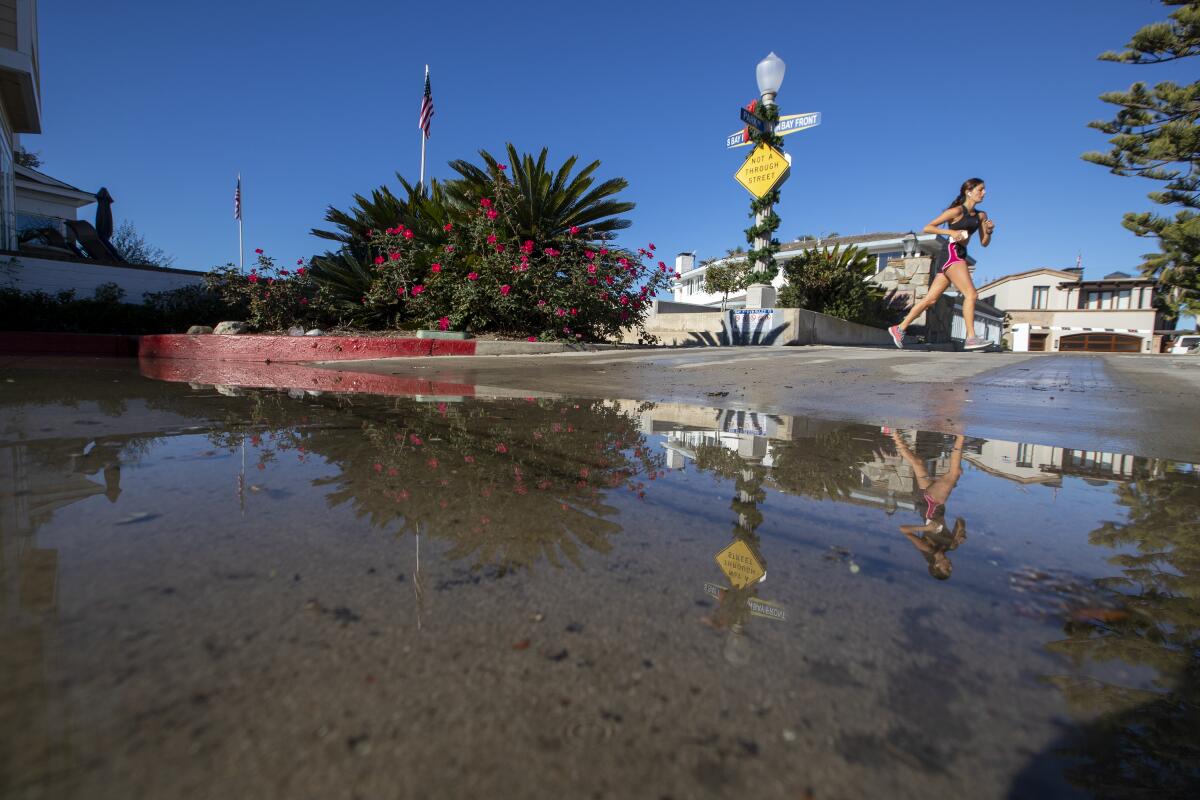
(883, 478)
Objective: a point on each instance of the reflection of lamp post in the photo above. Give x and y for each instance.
(910, 244)
(769, 74)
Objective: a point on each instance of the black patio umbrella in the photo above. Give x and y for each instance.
(104, 219)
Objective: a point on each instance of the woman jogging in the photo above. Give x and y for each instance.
(932, 539)
(954, 227)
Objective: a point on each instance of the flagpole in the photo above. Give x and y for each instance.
(421, 180)
(241, 250)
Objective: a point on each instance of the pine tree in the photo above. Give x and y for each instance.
(1155, 135)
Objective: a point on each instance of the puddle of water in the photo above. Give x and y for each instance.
(325, 584)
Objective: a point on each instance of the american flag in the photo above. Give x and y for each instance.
(426, 107)
(237, 199)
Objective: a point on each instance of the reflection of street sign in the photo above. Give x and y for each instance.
(790, 123)
(759, 608)
(757, 122)
(762, 171)
(740, 565)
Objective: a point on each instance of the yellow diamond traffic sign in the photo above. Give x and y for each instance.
(740, 564)
(763, 170)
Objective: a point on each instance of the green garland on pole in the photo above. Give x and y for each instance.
(770, 223)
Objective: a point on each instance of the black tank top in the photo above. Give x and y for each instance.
(969, 222)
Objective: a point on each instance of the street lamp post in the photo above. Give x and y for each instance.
(769, 74)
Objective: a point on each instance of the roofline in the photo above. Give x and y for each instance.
(1025, 274)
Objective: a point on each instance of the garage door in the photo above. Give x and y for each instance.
(1101, 343)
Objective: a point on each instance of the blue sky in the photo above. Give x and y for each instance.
(313, 101)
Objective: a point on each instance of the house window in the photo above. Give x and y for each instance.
(1041, 297)
(1124, 298)
(883, 259)
(1025, 455)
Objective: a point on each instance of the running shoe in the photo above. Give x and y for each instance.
(975, 343)
(897, 336)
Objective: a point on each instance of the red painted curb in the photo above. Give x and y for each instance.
(295, 376)
(210, 347)
(69, 344)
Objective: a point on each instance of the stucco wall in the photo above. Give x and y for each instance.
(1018, 293)
(50, 276)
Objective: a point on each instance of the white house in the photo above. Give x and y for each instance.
(30, 199)
(689, 286)
(1057, 310)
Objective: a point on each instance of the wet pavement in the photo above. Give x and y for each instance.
(337, 585)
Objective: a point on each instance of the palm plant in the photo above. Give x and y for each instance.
(551, 202)
(424, 214)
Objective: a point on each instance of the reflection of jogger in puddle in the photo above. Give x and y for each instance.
(932, 538)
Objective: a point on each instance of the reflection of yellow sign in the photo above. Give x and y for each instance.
(763, 170)
(740, 564)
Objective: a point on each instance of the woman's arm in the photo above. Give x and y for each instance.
(947, 216)
(986, 226)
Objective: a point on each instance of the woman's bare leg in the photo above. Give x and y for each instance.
(960, 276)
(939, 285)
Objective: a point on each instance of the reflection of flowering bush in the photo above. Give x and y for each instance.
(479, 275)
(506, 483)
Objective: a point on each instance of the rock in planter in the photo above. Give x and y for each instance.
(196, 330)
(315, 332)
(296, 330)
(229, 327)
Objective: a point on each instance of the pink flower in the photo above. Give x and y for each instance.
(588, 254)
(408, 234)
(303, 301)
(652, 247)
(449, 248)
(378, 259)
(502, 167)
(299, 260)
(531, 339)
(574, 230)
(472, 276)
(662, 267)
(491, 214)
(574, 311)
(550, 251)
(416, 290)
(591, 269)
(301, 271)
(603, 296)
(608, 279)
(252, 277)
(444, 323)
(678, 274)
(448, 227)
(501, 448)
(624, 262)
(258, 250)
(433, 463)
(435, 267)
(491, 238)
(624, 300)
(469, 459)
(486, 203)
(603, 251)
(401, 291)
(558, 312)
(527, 247)
(393, 256)
(414, 439)
(505, 289)
(499, 248)
(541, 303)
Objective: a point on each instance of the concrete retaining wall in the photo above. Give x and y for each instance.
(778, 327)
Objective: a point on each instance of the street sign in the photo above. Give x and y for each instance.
(740, 565)
(759, 608)
(763, 170)
(790, 123)
(756, 121)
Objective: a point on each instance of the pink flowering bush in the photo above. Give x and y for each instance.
(268, 297)
(481, 275)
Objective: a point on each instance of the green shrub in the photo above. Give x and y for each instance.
(162, 312)
(272, 298)
(834, 282)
